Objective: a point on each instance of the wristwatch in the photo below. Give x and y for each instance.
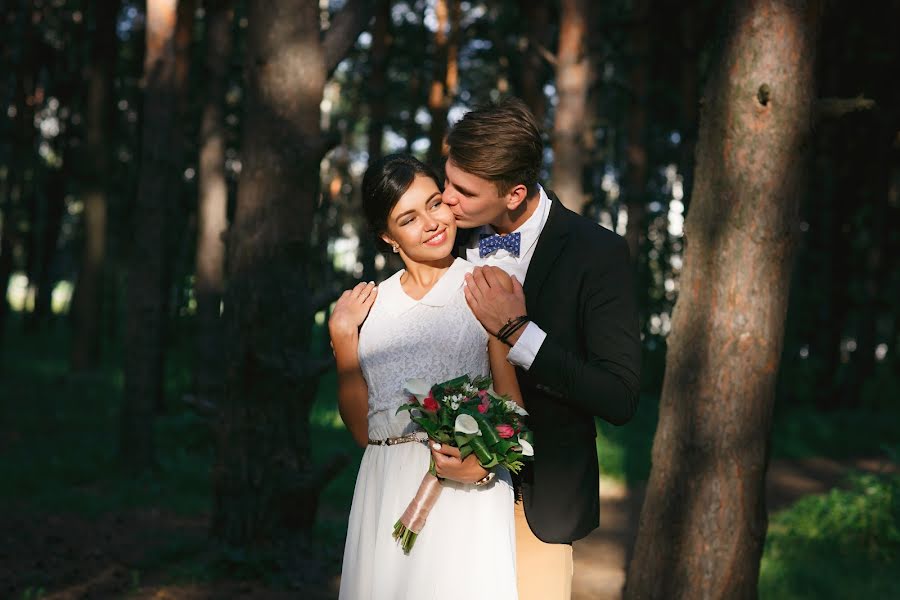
(486, 479)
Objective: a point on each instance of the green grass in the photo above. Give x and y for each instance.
(844, 544)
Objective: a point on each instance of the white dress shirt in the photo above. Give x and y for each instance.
(526, 348)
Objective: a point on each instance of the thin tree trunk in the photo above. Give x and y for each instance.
(266, 488)
(636, 159)
(87, 305)
(146, 319)
(212, 210)
(378, 111)
(572, 81)
(703, 522)
(534, 65)
(445, 78)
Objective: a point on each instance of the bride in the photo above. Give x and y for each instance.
(417, 324)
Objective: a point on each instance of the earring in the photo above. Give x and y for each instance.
(396, 249)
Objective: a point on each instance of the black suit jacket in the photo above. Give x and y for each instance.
(579, 290)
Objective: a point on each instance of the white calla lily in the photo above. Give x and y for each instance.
(417, 387)
(527, 449)
(466, 424)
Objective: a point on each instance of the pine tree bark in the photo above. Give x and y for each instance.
(377, 87)
(572, 81)
(148, 286)
(265, 484)
(212, 209)
(534, 66)
(87, 302)
(703, 522)
(636, 158)
(445, 78)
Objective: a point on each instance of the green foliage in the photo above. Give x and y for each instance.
(844, 544)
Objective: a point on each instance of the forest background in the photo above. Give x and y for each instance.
(179, 195)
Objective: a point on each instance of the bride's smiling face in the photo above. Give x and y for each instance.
(420, 223)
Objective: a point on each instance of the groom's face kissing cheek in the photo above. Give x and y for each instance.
(473, 199)
(421, 224)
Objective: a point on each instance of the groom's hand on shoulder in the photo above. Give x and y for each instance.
(495, 298)
(449, 466)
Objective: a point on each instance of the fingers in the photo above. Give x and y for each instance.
(444, 449)
(443, 464)
(497, 279)
(517, 288)
(474, 287)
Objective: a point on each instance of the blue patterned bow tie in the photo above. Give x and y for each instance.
(491, 243)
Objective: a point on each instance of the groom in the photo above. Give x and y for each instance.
(578, 356)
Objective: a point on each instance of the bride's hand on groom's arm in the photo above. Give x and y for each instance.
(449, 466)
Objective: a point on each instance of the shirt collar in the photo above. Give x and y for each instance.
(529, 231)
(396, 301)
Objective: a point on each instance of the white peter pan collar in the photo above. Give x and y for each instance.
(397, 302)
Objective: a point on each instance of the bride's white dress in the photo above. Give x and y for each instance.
(467, 547)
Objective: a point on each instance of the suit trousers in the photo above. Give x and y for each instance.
(543, 571)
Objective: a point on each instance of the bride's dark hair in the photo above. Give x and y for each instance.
(385, 182)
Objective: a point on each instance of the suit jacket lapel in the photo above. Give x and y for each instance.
(463, 238)
(550, 244)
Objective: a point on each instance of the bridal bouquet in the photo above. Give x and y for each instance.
(468, 414)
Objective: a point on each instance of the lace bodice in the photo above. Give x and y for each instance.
(436, 338)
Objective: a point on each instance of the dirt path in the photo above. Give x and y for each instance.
(601, 557)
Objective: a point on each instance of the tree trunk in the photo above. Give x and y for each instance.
(148, 287)
(212, 209)
(377, 84)
(636, 160)
(444, 81)
(534, 66)
(87, 305)
(266, 487)
(572, 81)
(96, 171)
(703, 522)
(378, 112)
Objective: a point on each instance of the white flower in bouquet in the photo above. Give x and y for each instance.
(527, 449)
(417, 387)
(466, 424)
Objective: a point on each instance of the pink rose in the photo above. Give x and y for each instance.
(482, 408)
(429, 403)
(482, 394)
(505, 431)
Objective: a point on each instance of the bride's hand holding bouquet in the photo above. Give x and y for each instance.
(468, 415)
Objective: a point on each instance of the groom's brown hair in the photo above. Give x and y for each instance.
(499, 142)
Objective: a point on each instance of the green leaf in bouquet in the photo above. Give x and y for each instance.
(513, 466)
(465, 451)
(481, 450)
(455, 382)
(512, 457)
(503, 446)
(447, 419)
(493, 463)
(488, 433)
(461, 439)
(430, 427)
(482, 383)
(407, 406)
(528, 436)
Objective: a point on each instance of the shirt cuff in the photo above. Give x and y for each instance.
(527, 346)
